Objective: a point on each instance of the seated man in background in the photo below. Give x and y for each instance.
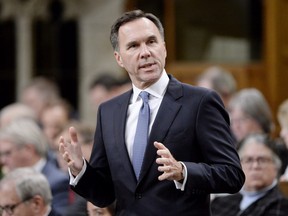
(15, 111)
(23, 144)
(25, 192)
(260, 195)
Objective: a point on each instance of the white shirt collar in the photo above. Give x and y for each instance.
(157, 89)
(40, 165)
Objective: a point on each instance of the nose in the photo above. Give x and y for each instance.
(144, 52)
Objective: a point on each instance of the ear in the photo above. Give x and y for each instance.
(118, 59)
(38, 204)
(30, 148)
(164, 44)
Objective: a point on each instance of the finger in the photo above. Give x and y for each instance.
(162, 150)
(61, 145)
(164, 169)
(73, 134)
(164, 176)
(162, 160)
(66, 157)
(159, 145)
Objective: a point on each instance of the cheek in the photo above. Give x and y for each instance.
(284, 133)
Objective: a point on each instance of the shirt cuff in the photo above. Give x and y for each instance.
(178, 185)
(74, 180)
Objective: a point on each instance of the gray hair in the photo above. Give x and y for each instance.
(264, 140)
(22, 132)
(222, 80)
(129, 17)
(15, 111)
(252, 103)
(28, 183)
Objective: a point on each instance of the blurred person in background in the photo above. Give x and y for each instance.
(260, 195)
(219, 79)
(249, 113)
(25, 192)
(11, 112)
(282, 116)
(15, 111)
(39, 93)
(105, 87)
(54, 119)
(97, 211)
(23, 144)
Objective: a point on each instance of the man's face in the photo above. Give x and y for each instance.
(258, 165)
(242, 125)
(142, 52)
(53, 120)
(11, 157)
(10, 201)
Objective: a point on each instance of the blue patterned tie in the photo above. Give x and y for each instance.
(141, 135)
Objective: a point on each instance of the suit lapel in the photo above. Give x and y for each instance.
(166, 114)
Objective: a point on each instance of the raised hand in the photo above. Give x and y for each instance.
(171, 168)
(71, 152)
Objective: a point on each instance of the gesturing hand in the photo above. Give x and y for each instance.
(171, 168)
(71, 152)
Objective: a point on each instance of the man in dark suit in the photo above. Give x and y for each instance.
(190, 151)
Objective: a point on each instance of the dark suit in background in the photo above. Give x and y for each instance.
(59, 184)
(273, 203)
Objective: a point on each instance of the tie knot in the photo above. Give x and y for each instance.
(145, 96)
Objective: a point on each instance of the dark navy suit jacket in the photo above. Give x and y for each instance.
(193, 124)
(59, 183)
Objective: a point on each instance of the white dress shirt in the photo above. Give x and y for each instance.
(156, 94)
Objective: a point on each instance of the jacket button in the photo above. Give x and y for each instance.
(138, 195)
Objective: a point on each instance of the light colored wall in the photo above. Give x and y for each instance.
(96, 53)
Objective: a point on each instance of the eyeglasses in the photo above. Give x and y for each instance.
(9, 209)
(6, 153)
(261, 161)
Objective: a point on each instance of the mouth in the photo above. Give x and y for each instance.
(146, 65)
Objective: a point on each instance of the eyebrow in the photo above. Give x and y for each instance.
(152, 37)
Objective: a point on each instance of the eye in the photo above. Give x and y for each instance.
(152, 41)
(132, 46)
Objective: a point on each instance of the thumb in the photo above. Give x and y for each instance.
(73, 134)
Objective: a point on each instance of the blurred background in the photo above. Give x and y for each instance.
(68, 41)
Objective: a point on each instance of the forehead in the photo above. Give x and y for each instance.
(8, 193)
(6, 143)
(254, 148)
(138, 28)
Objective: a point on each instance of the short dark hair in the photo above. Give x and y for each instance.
(128, 17)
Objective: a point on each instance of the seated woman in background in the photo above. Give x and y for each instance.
(249, 113)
